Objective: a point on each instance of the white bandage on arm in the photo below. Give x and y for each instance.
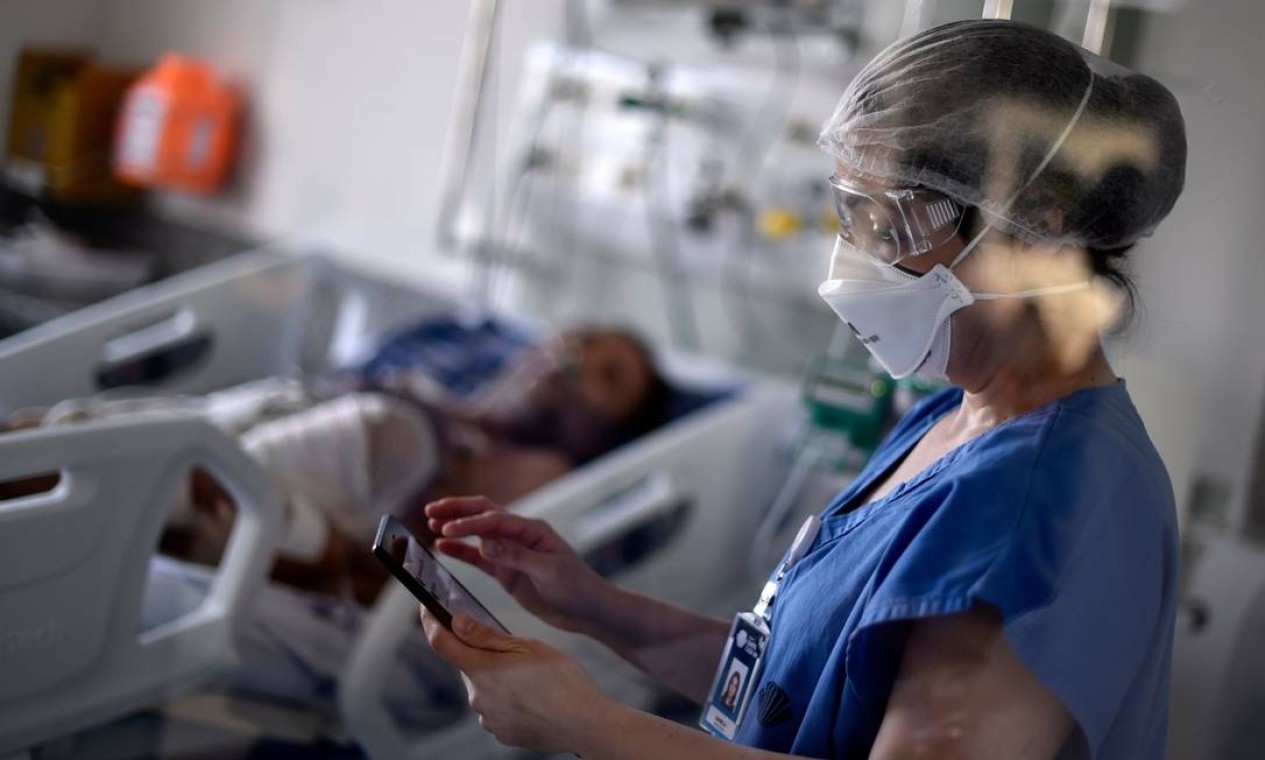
(305, 535)
(347, 461)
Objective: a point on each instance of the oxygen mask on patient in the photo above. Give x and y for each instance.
(540, 402)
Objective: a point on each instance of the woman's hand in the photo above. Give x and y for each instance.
(527, 694)
(526, 556)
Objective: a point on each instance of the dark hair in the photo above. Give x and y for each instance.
(656, 405)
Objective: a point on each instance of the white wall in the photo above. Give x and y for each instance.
(1202, 272)
(350, 102)
(45, 22)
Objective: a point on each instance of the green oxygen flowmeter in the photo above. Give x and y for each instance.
(846, 396)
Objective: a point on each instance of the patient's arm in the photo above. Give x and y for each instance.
(343, 565)
(344, 568)
(676, 647)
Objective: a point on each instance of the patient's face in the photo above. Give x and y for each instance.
(606, 369)
(576, 391)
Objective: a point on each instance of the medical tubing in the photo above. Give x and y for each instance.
(474, 66)
(505, 249)
(756, 145)
(579, 37)
(484, 247)
(753, 151)
(661, 227)
(509, 244)
(806, 460)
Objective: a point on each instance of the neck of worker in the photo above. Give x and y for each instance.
(1006, 374)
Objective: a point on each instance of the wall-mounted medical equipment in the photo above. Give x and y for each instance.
(686, 178)
(705, 180)
(848, 397)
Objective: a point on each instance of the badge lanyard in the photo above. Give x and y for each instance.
(739, 671)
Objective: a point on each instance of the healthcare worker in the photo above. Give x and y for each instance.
(1000, 581)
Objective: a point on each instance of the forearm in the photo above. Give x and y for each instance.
(674, 646)
(615, 732)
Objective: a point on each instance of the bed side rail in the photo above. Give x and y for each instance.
(226, 323)
(74, 564)
(707, 477)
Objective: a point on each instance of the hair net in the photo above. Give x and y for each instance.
(1051, 142)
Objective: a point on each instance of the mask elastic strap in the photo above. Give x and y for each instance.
(1049, 156)
(1050, 291)
(975, 241)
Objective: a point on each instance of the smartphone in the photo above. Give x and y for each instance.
(421, 572)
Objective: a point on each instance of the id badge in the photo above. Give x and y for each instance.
(737, 676)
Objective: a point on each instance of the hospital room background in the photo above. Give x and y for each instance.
(419, 177)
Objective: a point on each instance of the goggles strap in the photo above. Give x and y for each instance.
(1049, 156)
(1058, 144)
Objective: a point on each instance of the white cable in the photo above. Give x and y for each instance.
(507, 245)
(484, 259)
(459, 154)
(806, 460)
(752, 153)
(661, 226)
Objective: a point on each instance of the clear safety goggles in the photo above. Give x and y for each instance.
(892, 225)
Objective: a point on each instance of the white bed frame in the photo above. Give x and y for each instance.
(276, 312)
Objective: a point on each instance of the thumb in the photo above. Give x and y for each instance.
(475, 634)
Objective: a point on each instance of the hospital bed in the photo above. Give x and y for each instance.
(671, 514)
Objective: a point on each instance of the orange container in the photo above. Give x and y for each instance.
(178, 128)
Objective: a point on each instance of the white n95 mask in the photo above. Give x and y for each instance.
(902, 318)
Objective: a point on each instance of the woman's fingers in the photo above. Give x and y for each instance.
(440, 513)
(456, 507)
(489, 525)
(466, 553)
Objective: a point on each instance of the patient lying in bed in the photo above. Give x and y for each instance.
(411, 425)
(386, 438)
(391, 445)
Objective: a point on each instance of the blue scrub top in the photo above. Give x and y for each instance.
(1062, 519)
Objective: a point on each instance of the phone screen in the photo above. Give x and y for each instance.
(413, 565)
